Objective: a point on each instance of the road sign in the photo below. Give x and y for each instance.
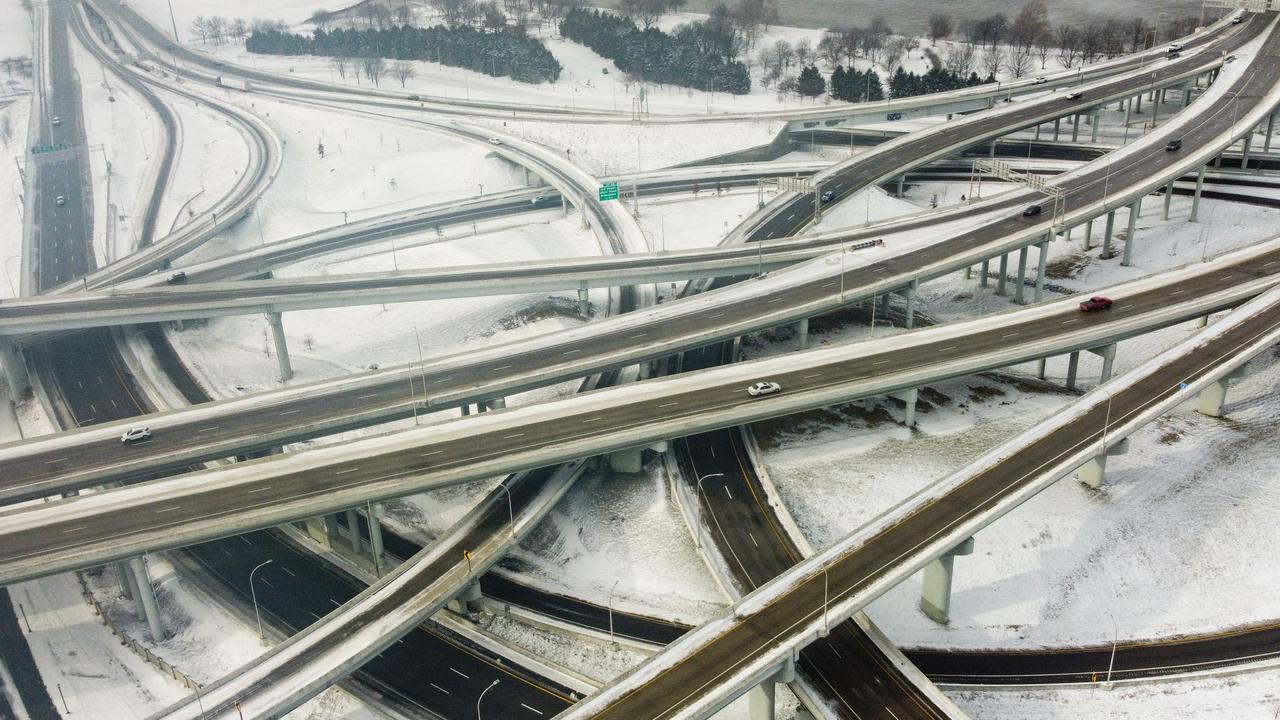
(609, 191)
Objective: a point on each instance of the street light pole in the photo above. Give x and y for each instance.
(699, 494)
(253, 592)
(511, 516)
(615, 587)
(492, 685)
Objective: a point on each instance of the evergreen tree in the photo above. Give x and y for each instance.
(811, 84)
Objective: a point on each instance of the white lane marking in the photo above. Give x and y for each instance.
(637, 337)
(1177, 292)
(1012, 334)
(1273, 262)
(313, 615)
(74, 529)
(370, 395)
(1122, 307)
(443, 380)
(713, 452)
(949, 347)
(168, 509)
(670, 404)
(267, 582)
(258, 490)
(50, 462)
(594, 419)
(717, 315)
(834, 650)
(461, 673)
(570, 352)
(335, 602)
(810, 377)
(830, 284)
(880, 362)
(246, 540)
(774, 301)
(512, 437)
(286, 569)
(895, 715)
(446, 692)
(504, 367)
(208, 429)
(1073, 320)
(433, 452)
(532, 710)
(344, 472)
(726, 491)
(290, 412)
(753, 539)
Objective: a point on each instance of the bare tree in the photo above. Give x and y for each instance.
(962, 59)
(1045, 45)
(200, 26)
(1031, 22)
(1017, 60)
(831, 48)
(374, 68)
(1067, 38)
(784, 53)
(992, 62)
(238, 29)
(217, 29)
(895, 51)
(340, 64)
(403, 70)
(940, 26)
(804, 52)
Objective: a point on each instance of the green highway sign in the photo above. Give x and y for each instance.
(609, 191)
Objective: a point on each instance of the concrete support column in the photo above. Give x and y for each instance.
(803, 332)
(353, 530)
(910, 397)
(584, 304)
(466, 601)
(1057, 128)
(1095, 120)
(1168, 200)
(761, 703)
(1037, 133)
(15, 369)
(1019, 288)
(626, 461)
(1134, 210)
(282, 347)
(1075, 128)
(983, 275)
(902, 179)
(935, 596)
(564, 206)
(1073, 368)
(148, 595)
(498, 403)
(1004, 273)
(1128, 113)
(1042, 366)
(1214, 397)
(1108, 355)
(1248, 145)
(1106, 237)
(912, 289)
(1094, 471)
(331, 530)
(375, 511)
(125, 576)
(1088, 235)
(1139, 108)
(1042, 267)
(1271, 125)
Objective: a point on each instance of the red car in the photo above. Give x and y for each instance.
(1095, 303)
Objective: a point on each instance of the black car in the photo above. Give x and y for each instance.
(177, 278)
(1032, 211)
(1173, 145)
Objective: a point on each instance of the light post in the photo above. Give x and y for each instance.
(1115, 634)
(511, 516)
(492, 685)
(826, 597)
(422, 367)
(253, 592)
(615, 587)
(700, 495)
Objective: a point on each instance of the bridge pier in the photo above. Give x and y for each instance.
(983, 275)
(15, 369)
(498, 403)
(1168, 200)
(466, 601)
(935, 594)
(1271, 125)
(1195, 200)
(1002, 280)
(1042, 267)
(353, 530)
(1094, 471)
(148, 596)
(1214, 397)
(584, 304)
(910, 397)
(125, 577)
(1088, 235)
(1108, 355)
(802, 330)
(1057, 128)
(331, 530)
(1073, 369)
(1128, 113)
(627, 462)
(1248, 145)
(1106, 237)
(1135, 210)
(1095, 121)
(1075, 128)
(1019, 289)
(902, 180)
(374, 511)
(912, 289)
(282, 347)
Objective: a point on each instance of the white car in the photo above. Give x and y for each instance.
(60, 200)
(1041, 81)
(761, 389)
(495, 141)
(56, 120)
(138, 434)
(1175, 47)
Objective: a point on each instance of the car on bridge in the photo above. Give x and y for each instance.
(137, 434)
(828, 196)
(1096, 304)
(1076, 95)
(1041, 81)
(1032, 211)
(60, 200)
(177, 278)
(56, 120)
(1173, 145)
(1175, 47)
(764, 388)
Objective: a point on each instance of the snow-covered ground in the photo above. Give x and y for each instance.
(11, 198)
(15, 41)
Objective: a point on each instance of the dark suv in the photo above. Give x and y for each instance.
(1173, 145)
(1032, 211)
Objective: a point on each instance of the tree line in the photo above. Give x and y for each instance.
(497, 54)
(699, 55)
(909, 84)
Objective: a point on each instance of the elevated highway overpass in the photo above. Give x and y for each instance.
(112, 524)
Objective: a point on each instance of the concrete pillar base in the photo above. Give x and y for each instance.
(1073, 368)
(912, 289)
(803, 332)
(761, 701)
(498, 403)
(935, 595)
(282, 347)
(1106, 238)
(1019, 289)
(983, 276)
(331, 530)
(353, 531)
(902, 180)
(1042, 260)
(1003, 278)
(628, 462)
(125, 578)
(467, 601)
(1108, 355)
(374, 512)
(1094, 471)
(584, 304)
(1195, 200)
(1088, 236)
(1134, 211)
(1214, 397)
(910, 397)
